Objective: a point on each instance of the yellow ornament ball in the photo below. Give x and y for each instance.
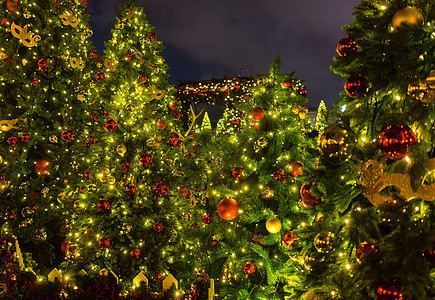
(53, 139)
(409, 15)
(121, 149)
(273, 225)
(111, 179)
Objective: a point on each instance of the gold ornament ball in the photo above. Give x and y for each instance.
(323, 241)
(121, 149)
(273, 225)
(53, 139)
(73, 252)
(27, 212)
(333, 143)
(105, 171)
(1, 159)
(308, 260)
(104, 272)
(111, 179)
(424, 90)
(409, 15)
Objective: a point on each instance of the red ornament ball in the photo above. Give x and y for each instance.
(347, 46)
(206, 218)
(10, 216)
(131, 190)
(13, 141)
(104, 243)
(135, 253)
(158, 227)
(389, 290)
(161, 124)
(111, 125)
(161, 189)
(249, 268)
(279, 175)
(25, 137)
(228, 209)
(309, 200)
(287, 84)
(104, 204)
(64, 247)
(395, 140)
(146, 159)
(364, 248)
(35, 81)
(257, 114)
(143, 78)
(356, 86)
(67, 135)
(43, 167)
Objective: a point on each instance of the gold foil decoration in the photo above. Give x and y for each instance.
(373, 180)
(69, 19)
(6, 125)
(77, 63)
(111, 65)
(28, 39)
(300, 110)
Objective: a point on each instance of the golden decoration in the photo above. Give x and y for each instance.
(77, 206)
(92, 188)
(69, 19)
(24, 62)
(27, 212)
(3, 55)
(262, 81)
(111, 179)
(4, 185)
(424, 90)
(53, 139)
(121, 149)
(126, 228)
(6, 125)
(27, 39)
(45, 191)
(27, 14)
(74, 252)
(267, 193)
(111, 65)
(77, 63)
(40, 235)
(87, 33)
(1, 159)
(323, 241)
(26, 222)
(154, 142)
(156, 93)
(300, 110)
(105, 171)
(409, 15)
(104, 272)
(373, 180)
(262, 142)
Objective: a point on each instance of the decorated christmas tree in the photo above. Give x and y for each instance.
(45, 106)
(249, 196)
(372, 233)
(127, 199)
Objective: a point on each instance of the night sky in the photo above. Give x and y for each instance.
(207, 39)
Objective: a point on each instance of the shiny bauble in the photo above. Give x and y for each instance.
(206, 218)
(395, 141)
(389, 290)
(309, 200)
(257, 114)
(333, 144)
(121, 149)
(249, 268)
(356, 86)
(424, 90)
(146, 159)
(296, 169)
(409, 15)
(43, 167)
(161, 189)
(126, 228)
(273, 225)
(228, 209)
(287, 84)
(104, 205)
(67, 135)
(158, 227)
(73, 252)
(64, 247)
(365, 248)
(323, 241)
(111, 179)
(27, 212)
(347, 47)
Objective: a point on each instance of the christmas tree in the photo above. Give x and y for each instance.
(248, 204)
(45, 104)
(372, 235)
(127, 200)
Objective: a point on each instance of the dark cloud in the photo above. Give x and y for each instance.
(210, 39)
